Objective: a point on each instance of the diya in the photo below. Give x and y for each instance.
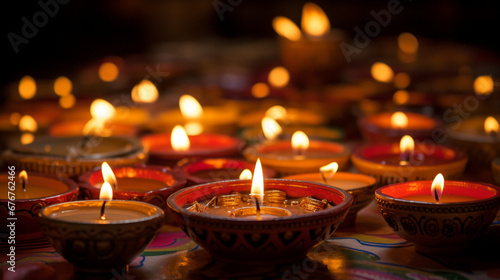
(439, 217)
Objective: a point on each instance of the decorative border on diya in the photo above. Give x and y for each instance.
(438, 208)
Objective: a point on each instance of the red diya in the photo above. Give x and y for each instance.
(271, 233)
(207, 145)
(41, 190)
(299, 156)
(218, 169)
(439, 217)
(389, 164)
(151, 184)
(390, 127)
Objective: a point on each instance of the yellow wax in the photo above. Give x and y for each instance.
(444, 199)
(343, 180)
(92, 214)
(36, 187)
(136, 184)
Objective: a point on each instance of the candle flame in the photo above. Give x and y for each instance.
(399, 120)
(408, 43)
(27, 87)
(402, 80)
(278, 77)
(491, 125)
(108, 175)
(260, 90)
(63, 86)
(67, 101)
(406, 145)
(314, 20)
(108, 71)
(300, 142)
(27, 138)
(286, 28)
(23, 175)
(258, 181)
(179, 139)
(401, 97)
(276, 112)
(193, 128)
(246, 174)
(95, 127)
(271, 128)
(28, 123)
(106, 192)
(144, 92)
(437, 186)
(329, 169)
(190, 107)
(102, 109)
(483, 85)
(382, 72)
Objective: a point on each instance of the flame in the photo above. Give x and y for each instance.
(193, 128)
(67, 101)
(108, 71)
(491, 125)
(278, 77)
(258, 181)
(102, 110)
(144, 92)
(190, 108)
(27, 87)
(15, 118)
(483, 85)
(402, 80)
(406, 145)
(179, 139)
(401, 97)
(276, 112)
(62, 86)
(108, 175)
(28, 123)
(437, 186)
(246, 174)
(27, 138)
(286, 28)
(300, 141)
(314, 20)
(23, 176)
(94, 127)
(408, 43)
(382, 72)
(329, 169)
(260, 90)
(399, 120)
(270, 128)
(106, 192)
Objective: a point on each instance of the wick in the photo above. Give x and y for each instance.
(436, 197)
(103, 216)
(323, 177)
(257, 205)
(24, 184)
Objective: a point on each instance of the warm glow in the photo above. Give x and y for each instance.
(190, 108)
(314, 20)
(402, 80)
(15, 118)
(399, 120)
(28, 123)
(27, 87)
(106, 192)
(278, 77)
(27, 138)
(408, 43)
(102, 109)
(108, 175)
(270, 128)
(67, 101)
(382, 72)
(260, 90)
(62, 86)
(483, 85)
(437, 186)
(179, 139)
(144, 92)
(491, 125)
(401, 97)
(276, 112)
(406, 145)
(94, 127)
(258, 182)
(108, 72)
(286, 28)
(329, 169)
(300, 141)
(246, 174)
(23, 176)
(193, 128)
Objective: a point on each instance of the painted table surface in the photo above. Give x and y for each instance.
(368, 250)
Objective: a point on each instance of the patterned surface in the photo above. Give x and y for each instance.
(368, 250)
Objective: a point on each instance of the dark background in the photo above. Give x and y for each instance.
(86, 30)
